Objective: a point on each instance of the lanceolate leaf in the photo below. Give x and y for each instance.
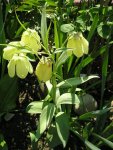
(68, 98)
(75, 81)
(104, 140)
(85, 141)
(44, 27)
(62, 124)
(90, 58)
(94, 113)
(62, 59)
(93, 27)
(45, 119)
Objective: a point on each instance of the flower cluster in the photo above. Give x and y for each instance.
(16, 53)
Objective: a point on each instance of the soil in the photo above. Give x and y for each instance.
(16, 130)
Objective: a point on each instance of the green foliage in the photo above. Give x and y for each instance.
(55, 20)
(74, 81)
(45, 119)
(62, 125)
(8, 94)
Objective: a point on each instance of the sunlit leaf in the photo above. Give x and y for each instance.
(45, 119)
(35, 107)
(68, 98)
(75, 81)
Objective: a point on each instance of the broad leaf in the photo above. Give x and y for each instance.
(67, 28)
(75, 81)
(34, 107)
(52, 137)
(62, 124)
(68, 98)
(45, 119)
(103, 30)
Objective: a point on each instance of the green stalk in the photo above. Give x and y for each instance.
(54, 82)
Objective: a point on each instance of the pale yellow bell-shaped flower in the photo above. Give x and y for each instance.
(44, 69)
(31, 39)
(78, 44)
(10, 50)
(20, 65)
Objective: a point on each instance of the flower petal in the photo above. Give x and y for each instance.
(21, 69)
(9, 51)
(11, 68)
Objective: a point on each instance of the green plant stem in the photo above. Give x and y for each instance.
(54, 82)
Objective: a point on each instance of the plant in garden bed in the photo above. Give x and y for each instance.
(66, 109)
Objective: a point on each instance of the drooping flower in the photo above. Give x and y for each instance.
(20, 65)
(78, 44)
(44, 69)
(31, 39)
(11, 49)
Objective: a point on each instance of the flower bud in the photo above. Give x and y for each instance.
(20, 65)
(10, 50)
(78, 44)
(31, 39)
(44, 69)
